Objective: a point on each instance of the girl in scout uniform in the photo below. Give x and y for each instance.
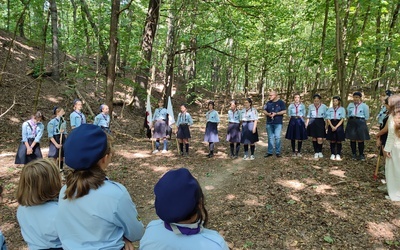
(37, 195)
(315, 124)
(160, 127)
(335, 118)
(296, 130)
(103, 119)
(179, 203)
(93, 211)
(249, 117)
(184, 121)
(233, 135)
(357, 129)
(77, 118)
(57, 132)
(32, 132)
(211, 134)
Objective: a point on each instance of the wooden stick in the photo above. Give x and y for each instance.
(59, 151)
(377, 164)
(177, 145)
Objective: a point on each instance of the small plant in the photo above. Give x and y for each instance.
(248, 244)
(393, 243)
(328, 239)
(260, 177)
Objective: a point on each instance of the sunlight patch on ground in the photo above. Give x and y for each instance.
(294, 197)
(54, 99)
(294, 184)
(14, 119)
(329, 208)
(381, 230)
(209, 187)
(132, 155)
(339, 173)
(230, 197)
(316, 167)
(160, 169)
(252, 201)
(324, 189)
(7, 226)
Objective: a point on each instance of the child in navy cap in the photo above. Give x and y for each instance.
(180, 205)
(94, 212)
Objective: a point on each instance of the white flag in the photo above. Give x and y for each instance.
(170, 111)
(149, 115)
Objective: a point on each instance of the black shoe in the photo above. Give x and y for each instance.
(362, 158)
(235, 156)
(278, 155)
(182, 154)
(267, 155)
(354, 157)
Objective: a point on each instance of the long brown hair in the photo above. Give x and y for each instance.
(200, 208)
(40, 181)
(79, 182)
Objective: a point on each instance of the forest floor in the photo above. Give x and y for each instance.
(273, 203)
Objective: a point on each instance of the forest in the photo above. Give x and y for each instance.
(120, 51)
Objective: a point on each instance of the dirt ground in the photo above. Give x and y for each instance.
(273, 203)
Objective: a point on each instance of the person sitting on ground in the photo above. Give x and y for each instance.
(179, 203)
(94, 212)
(37, 195)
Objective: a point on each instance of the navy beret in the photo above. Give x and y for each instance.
(177, 195)
(357, 93)
(316, 96)
(85, 146)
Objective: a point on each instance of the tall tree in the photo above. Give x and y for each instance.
(54, 33)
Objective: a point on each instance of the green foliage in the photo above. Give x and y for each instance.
(328, 239)
(393, 243)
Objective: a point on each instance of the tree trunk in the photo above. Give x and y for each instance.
(192, 68)
(340, 62)
(321, 52)
(170, 47)
(149, 33)
(378, 41)
(112, 54)
(89, 17)
(8, 15)
(55, 51)
(246, 75)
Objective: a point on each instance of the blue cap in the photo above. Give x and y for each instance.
(357, 93)
(177, 195)
(85, 146)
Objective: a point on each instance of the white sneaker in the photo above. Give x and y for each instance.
(164, 151)
(245, 157)
(252, 157)
(156, 151)
(294, 155)
(299, 155)
(320, 155)
(316, 156)
(333, 157)
(338, 158)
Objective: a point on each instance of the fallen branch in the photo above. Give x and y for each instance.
(8, 108)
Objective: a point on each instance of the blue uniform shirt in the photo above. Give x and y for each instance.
(54, 127)
(160, 238)
(212, 116)
(3, 245)
(234, 117)
(360, 110)
(250, 114)
(382, 114)
(160, 114)
(296, 110)
(317, 112)
(184, 118)
(336, 114)
(98, 220)
(38, 225)
(77, 118)
(275, 107)
(102, 120)
(32, 131)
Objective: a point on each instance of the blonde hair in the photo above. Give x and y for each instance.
(40, 181)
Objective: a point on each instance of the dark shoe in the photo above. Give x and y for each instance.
(278, 156)
(354, 157)
(182, 154)
(362, 158)
(235, 157)
(267, 155)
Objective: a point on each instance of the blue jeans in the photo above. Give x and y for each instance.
(274, 138)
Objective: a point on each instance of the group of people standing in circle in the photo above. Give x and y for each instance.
(33, 130)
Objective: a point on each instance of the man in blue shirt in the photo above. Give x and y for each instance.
(274, 110)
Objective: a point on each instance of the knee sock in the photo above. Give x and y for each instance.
(299, 144)
(339, 148)
(157, 144)
(252, 148)
(293, 143)
(353, 147)
(187, 147)
(165, 145)
(314, 143)
(181, 147)
(332, 146)
(232, 147)
(237, 148)
(211, 146)
(319, 147)
(246, 149)
(361, 148)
